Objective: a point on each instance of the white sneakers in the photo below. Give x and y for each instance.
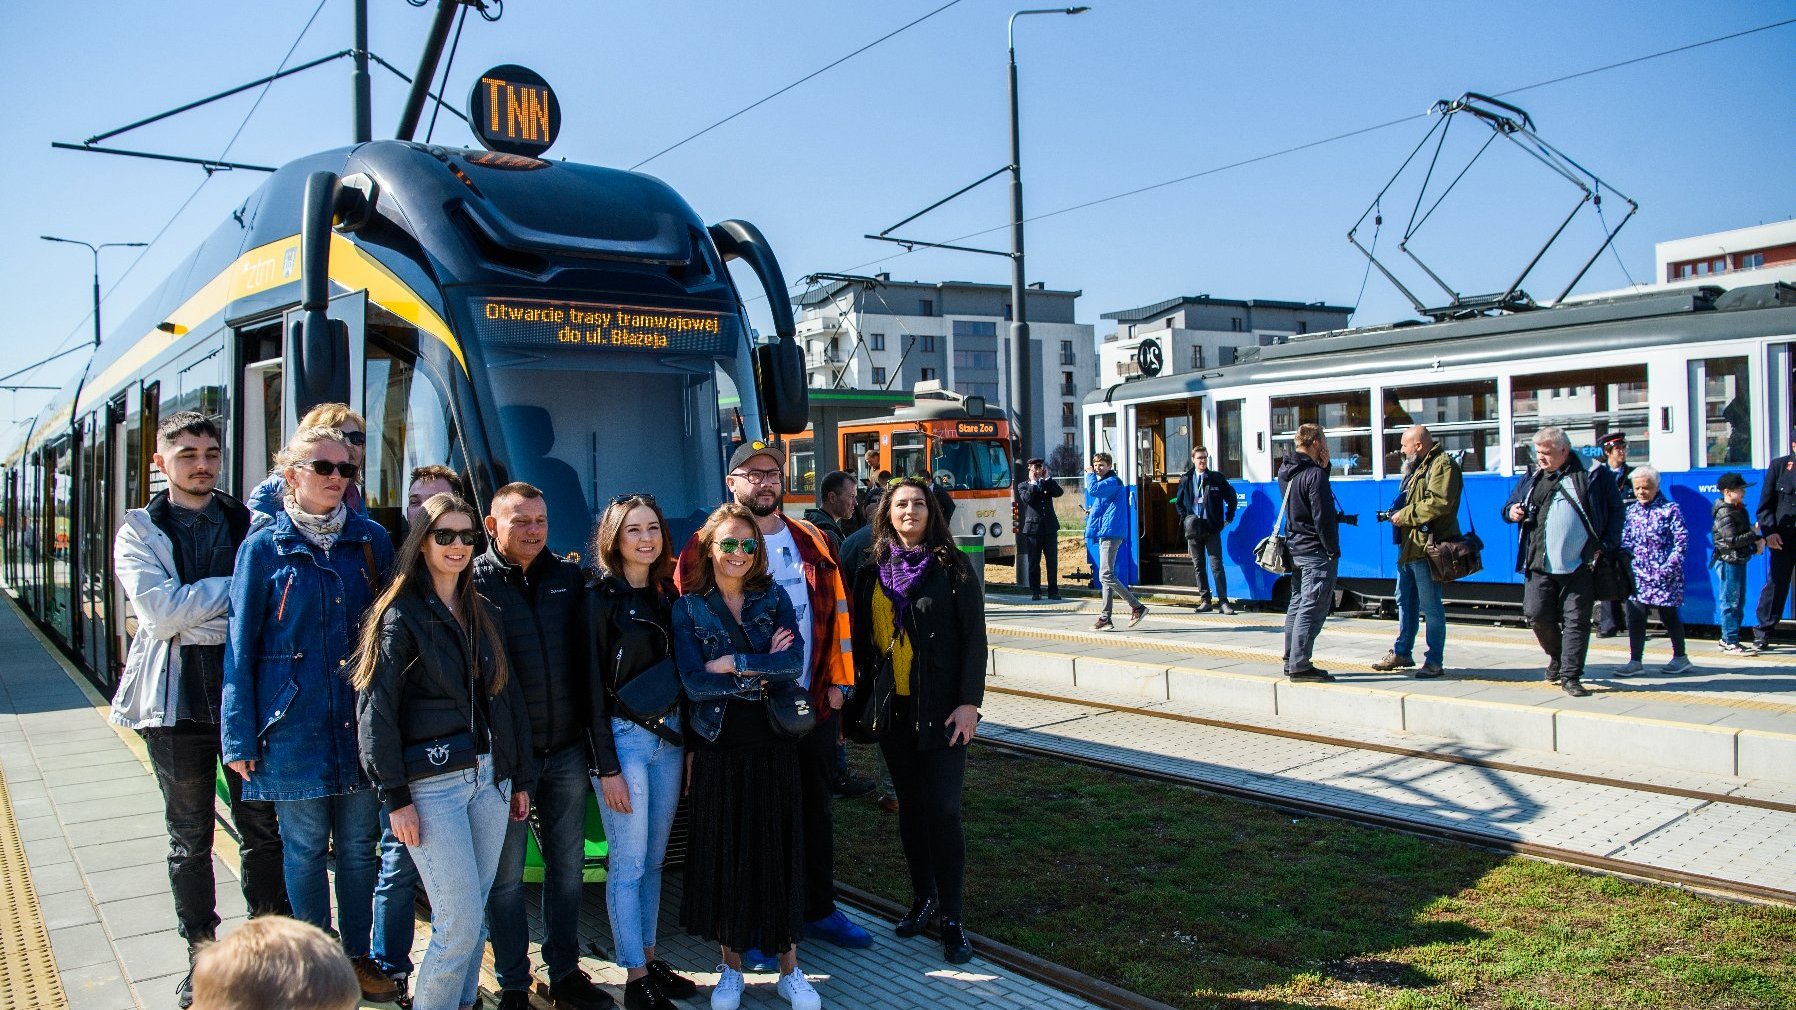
(798, 991)
(794, 988)
(728, 994)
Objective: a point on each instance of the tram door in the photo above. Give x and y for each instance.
(1164, 435)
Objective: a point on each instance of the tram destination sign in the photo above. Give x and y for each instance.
(987, 429)
(514, 111)
(540, 323)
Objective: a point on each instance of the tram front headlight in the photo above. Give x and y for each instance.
(979, 529)
(997, 531)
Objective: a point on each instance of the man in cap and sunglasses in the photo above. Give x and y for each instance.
(1611, 618)
(539, 596)
(266, 498)
(804, 563)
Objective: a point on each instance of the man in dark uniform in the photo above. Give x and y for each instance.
(1777, 521)
(1039, 539)
(1611, 618)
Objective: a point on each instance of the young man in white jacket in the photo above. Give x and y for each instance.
(174, 558)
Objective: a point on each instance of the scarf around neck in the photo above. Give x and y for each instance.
(901, 574)
(321, 530)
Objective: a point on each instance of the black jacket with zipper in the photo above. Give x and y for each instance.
(946, 625)
(542, 614)
(423, 690)
(1311, 522)
(622, 644)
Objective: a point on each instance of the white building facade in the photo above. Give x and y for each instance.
(895, 334)
(1197, 332)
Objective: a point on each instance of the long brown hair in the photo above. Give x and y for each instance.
(935, 532)
(607, 539)
(704, 577)
(409, 565)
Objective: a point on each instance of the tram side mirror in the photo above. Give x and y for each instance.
(780, 366)
(318, 359)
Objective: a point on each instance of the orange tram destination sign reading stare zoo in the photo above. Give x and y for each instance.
(514, 111)
(523, 322)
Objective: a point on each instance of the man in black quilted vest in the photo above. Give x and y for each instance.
(538, 596)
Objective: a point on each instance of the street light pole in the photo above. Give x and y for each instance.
(1022, 392)
(95, 250)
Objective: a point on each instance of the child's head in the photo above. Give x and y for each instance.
(1733, 488)
(274, 963)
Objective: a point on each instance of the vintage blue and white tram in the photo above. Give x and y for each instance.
(1700, 379)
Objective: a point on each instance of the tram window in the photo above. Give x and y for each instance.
(801, 465)
(969, 465)
(1587, 403)
(862, 457)
(1175, 432)
(1345, 415)
(1721, 395)
(1230, 460)
(408, 418)
(1462, 417)
(908, 457)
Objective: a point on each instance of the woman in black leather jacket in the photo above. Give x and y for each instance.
(919, 603)
(444, 736)
(637, 757)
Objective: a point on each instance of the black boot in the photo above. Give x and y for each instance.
(670, 982)
(643, 994)
(955, 945)
(922, 913)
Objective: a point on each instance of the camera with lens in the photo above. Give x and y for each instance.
(1530, 513)
(1383, 515)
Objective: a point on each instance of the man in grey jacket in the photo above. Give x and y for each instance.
(174, 558)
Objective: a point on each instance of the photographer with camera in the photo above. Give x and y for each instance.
(1427, 509)
(1567, 513)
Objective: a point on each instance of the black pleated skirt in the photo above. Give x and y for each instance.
(745, 848)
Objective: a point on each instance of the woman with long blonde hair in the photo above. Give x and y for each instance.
(444, 737)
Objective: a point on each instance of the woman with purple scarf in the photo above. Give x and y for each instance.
(921, 604)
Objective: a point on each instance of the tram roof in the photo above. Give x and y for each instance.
(1681, 316)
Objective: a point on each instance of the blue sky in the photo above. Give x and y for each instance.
(1134, 93)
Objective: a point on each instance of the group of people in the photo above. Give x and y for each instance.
(405, 714)
(1570, 515)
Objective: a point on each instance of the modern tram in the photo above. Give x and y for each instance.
(513, 317)
(1702, 380)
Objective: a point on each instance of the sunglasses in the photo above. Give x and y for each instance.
(444, 538)
(324, 468)
(730, 544)
(633, 496)
(356, 437)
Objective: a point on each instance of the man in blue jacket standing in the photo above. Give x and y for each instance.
(1205, 504)
(1568, 514)
(1107, 522)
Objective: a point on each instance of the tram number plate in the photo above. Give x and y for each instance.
(529, 322)
(986, 428)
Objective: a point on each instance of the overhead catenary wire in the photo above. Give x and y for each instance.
(1335, 138)
(815, 73)
(86, 318)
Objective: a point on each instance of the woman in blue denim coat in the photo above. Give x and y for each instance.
(301, 586)
(735, 632)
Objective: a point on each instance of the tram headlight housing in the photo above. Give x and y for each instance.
(979, 529)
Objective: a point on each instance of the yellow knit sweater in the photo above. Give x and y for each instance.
(882, 636)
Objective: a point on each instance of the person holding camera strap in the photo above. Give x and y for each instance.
(1567, 514)
(1428, 509)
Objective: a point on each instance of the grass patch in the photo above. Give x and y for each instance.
(1204, 902)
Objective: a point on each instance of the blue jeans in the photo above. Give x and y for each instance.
(637, 841)
(462, 818)
(1312, 594)
(394, 899)
(1733, 599)
(1416, 588)
(560, 806)
(349, 825)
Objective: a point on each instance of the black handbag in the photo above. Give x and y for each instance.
(648, 698)
(788, 706)
(1611, 572)
(440, 756)
(867, 717)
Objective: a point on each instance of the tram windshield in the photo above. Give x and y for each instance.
(971, 465)
(585, 427)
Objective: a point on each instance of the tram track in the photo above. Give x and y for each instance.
(1608, 865)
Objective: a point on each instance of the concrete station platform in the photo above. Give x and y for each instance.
(86, 921)
(1730, 723)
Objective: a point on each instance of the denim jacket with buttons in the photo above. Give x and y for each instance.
(296, 613)
(699, 637)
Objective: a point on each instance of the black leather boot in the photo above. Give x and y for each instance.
(644, 994)
(955, 945)
(921, 915)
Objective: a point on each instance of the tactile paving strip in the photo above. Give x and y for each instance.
(28, 979)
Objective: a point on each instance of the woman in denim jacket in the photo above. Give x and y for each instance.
(301, 586)
(734, 633)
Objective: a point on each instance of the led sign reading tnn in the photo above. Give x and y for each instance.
(514, 111)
